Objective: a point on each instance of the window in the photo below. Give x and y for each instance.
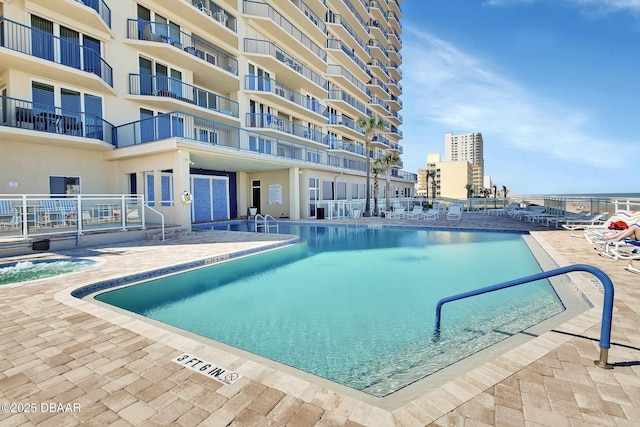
(64, 185)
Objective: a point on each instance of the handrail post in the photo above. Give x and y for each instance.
(607, 309)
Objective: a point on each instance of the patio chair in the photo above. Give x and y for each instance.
(584, 222)
(9, 216)
(396, 213)
(626, 249)
(632, 268)
(70, 209)
(415, 213)
(431, 214)
(50, 213)
(455, 211)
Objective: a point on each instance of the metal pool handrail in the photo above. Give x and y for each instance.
(607, 309)
(262, 221)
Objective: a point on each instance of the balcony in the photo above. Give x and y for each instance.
(394, 102)
(378, 69)
(218, 137)
(94, 13)
(166, 91)
(270, 122)
(288, 67)
(378, 50)
(346, 126)
(348, 58)
(377, 31)
(286, 32)
(350, 147)
(50, 49)
(344, 31)
(60, 124)
(207, 15)
(210, 65)
(394, 118)
(284, 98)
(379, 106)
(345, 79)
(378, 88)
(346, 102)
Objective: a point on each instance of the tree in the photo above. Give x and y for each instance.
(504, 191)
(468, 187)
(431, 174)
(495, 192)
(370, 126)
(376, 170)
(386, 162)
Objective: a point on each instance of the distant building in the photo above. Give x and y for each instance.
(451, 178)
(466, 147)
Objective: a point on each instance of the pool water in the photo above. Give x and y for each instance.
(32, 270)
(356, 306)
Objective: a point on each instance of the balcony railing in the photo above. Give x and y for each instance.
(265, 10)
(266, 84)
(315, 19)
(333, 18)
(42, 44)
(339, 70)
(139, 29)
(216, 12)
(271, 121)
(265, 47)
(341, 95)
(339, 45)
(335, 119)
(22, 114)
(338, 144)
(176, 89)
(213, 133)
(101, 7)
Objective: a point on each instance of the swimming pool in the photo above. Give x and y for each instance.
(356, 305)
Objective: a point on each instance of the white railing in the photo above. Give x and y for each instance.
(157, 212)
(29, 215)
(261, 222)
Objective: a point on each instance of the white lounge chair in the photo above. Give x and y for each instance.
(455, 211)
(9, 216)
(415, 213)
(581, 223)
(396, 213)
(625, 249)
(431, 214)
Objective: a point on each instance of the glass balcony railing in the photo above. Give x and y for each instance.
(211, 132)
(339, 70)
(176, 89)
(255, 8)
(333, 18)
(101, 7)
(139, 29)
(338, 144)
(339, 45)
(336, 94)
(44, 45)
(266, 84)
(335, 119)
(216, 12)
(265, 47)
(18, 113)
(271, 121)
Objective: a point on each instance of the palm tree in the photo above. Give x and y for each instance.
(386, 162)
(504, 191)
(376, 170)
(370, 126)
(432, 175)
(468, 187)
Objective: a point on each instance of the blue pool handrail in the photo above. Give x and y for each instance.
(607, 309)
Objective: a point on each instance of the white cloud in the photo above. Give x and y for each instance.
(446, 88)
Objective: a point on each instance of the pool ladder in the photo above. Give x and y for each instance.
(607, 309)
(265, 223)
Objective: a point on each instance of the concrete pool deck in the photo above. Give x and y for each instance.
(65, 361)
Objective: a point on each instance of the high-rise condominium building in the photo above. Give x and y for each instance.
(467, 147)
(242, 103)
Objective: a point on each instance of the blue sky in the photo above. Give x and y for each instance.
(552, 85)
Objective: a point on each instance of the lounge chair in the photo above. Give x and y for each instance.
(9, 216)
(581, 223)
(631, 267)
(455, 211)
(50, 213)
(431, 214)
(397, 212)
(624, 249)
(504, 211)
(600, 230)
(415, 213)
